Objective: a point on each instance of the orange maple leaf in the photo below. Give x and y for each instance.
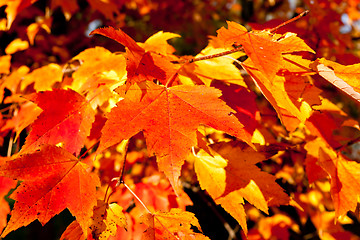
(345, 175)
(289, 91)
(262, 47)
(66, 119)
(53, 179)
(169, 118)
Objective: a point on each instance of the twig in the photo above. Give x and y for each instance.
(303, 14)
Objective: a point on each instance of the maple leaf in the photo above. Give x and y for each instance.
(66, 119)
(141, 65)
(344, 175)
(106, 219)
(53, 179)
(169, 118)
(229, 180)
(262, 47)
(276, 73)
(289, 91)
(171, 225)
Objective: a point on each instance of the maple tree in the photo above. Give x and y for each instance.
(261, 124)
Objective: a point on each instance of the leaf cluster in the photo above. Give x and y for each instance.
(122, 138)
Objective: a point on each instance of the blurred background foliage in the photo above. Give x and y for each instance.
(39, 32)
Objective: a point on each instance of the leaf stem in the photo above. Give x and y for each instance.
(121, 179)
(137, 198)
(173, 77)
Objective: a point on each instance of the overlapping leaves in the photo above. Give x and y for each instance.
(163, 96)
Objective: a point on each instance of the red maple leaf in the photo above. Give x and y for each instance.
(53, 179)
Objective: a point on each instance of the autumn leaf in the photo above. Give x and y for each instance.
(230, 180)
(262, 47)
(171, 225)
(66, 118)
(275, 72)
(53, 179)
(106, 219)
(325, 121)
(179, 110)
(289, 92)
(344, 175)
